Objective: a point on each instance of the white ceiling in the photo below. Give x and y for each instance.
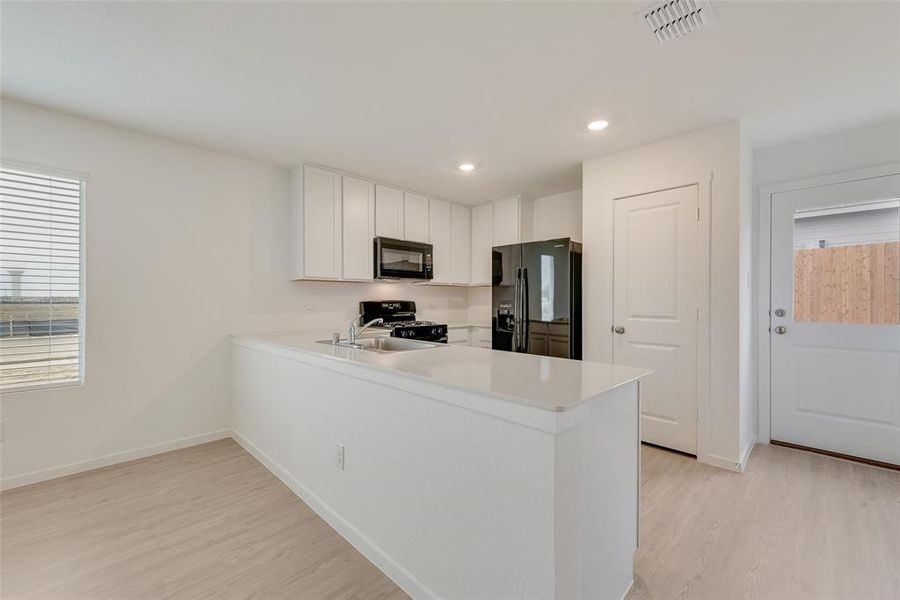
(403, 92)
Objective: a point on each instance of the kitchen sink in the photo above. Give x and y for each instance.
(383, 344)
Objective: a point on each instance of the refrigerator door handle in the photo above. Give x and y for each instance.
(525, 310)
(515, 315)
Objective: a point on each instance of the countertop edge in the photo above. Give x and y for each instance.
(552, 419)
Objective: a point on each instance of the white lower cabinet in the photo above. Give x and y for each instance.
(477, 336)
(358, 228)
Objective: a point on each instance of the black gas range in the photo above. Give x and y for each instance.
(399, 316)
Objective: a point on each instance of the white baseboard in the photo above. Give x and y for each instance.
(745, 455)
(366, 547)
(722, 463)
(8, 483)
(729, 463)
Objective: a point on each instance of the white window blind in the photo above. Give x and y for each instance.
(41, 292)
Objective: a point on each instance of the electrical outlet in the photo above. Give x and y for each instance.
(340, 456)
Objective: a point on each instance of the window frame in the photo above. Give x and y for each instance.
(82, 280)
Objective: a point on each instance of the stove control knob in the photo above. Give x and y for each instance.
(404, 333)
(434, 331)
(412, 334)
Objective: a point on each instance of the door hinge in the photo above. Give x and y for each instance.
(698, 315)
(698, 212)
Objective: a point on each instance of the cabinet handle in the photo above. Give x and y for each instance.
(619, 329)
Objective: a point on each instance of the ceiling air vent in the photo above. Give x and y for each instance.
(670, 20)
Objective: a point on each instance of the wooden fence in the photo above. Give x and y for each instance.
(848, 284)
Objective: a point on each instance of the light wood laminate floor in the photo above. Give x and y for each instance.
(211, 522)
(792, 525)
(203, 522)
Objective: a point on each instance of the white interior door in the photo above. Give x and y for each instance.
(835, 318)
(655, 308)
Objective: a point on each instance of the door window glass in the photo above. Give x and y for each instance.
(847, 264)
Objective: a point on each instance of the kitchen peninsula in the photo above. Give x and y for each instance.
(460, 472)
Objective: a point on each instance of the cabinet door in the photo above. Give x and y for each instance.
(537, 343)
(507, 224)
(439, 216)
(416, 218)
(558, 346)
(461, 224)
(358, 228)
(321, 223)
(388, 212)
(482, 244)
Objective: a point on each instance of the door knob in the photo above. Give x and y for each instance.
(619, 329)
(780, 329)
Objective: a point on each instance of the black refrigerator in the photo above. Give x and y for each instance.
(536, 298)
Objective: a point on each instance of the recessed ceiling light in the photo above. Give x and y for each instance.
(597, 125)
(466, 166)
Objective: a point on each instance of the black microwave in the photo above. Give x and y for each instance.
(399, 259)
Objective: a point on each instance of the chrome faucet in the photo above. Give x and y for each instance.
(353, 332)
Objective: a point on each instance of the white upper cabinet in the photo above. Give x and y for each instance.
(441, 237)
(461, 225)
(320, 215)
(389, 212)
(334, 218)
(482, 243)
(415, 218)
(496, 224)
(507, 224)
(358, 228)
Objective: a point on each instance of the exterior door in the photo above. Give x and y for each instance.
(835, 318)
(655, 304)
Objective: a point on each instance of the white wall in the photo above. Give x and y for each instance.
(869, 146)
(668, 163)
(184, 246)
(557, 216)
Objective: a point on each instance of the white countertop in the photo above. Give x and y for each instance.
(551, 384)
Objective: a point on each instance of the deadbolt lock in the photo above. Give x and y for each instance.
(779, 312)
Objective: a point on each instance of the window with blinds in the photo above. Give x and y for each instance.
(41, 291)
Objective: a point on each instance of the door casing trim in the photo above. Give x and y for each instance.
(764, 274)
(704, 183)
